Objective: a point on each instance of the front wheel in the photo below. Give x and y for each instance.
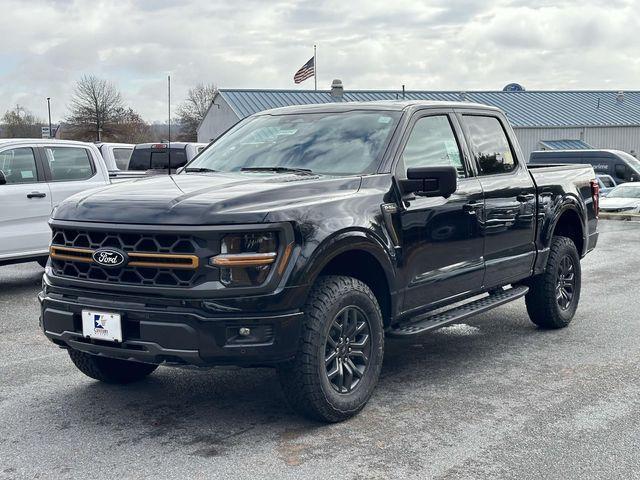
(110, 370)
(340, 352)
(554, 295)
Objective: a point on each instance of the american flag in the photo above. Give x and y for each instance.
(308, 70)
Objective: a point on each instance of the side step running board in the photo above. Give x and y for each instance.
(424, 323)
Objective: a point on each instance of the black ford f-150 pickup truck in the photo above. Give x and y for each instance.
(304, 236)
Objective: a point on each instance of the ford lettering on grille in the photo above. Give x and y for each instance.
(109, 258)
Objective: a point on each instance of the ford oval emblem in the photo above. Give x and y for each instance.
(109, 257)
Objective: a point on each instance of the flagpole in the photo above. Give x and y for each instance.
(315, 69)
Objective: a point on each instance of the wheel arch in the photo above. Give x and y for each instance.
(568, 224)
(358, 254)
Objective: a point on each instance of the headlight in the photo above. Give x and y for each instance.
(246, 259)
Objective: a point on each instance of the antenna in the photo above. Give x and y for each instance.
(169, 112)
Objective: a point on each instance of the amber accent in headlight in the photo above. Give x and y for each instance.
(246, 258)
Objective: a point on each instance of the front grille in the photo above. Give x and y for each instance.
(166, 260)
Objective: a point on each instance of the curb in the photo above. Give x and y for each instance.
(625, 217)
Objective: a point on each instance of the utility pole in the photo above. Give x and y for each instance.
(49, 110)
(315, 69)
(169, 112)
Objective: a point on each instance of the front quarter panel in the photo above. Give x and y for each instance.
(335, 225)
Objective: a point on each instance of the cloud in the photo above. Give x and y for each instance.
(438, 44)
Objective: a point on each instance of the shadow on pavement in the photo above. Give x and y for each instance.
(206, 411)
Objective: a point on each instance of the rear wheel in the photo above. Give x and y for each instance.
(110, 370)
(340, 353)
(554, 295)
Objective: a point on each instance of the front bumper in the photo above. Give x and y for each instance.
(175, 332)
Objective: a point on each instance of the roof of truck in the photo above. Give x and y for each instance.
(389, 105)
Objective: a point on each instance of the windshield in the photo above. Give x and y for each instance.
(624, 192)
(331, 143)
(631, 160)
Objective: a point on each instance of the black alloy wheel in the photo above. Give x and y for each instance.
(347, 349)
(565, 285)
(554, 294)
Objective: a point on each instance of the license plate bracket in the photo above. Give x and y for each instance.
(102, 325)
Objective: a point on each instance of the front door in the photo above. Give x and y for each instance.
(508, 223)
(25, 205)
(441, 239)
(71, 170)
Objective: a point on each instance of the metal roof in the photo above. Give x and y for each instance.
(524, 109)
(565, 145)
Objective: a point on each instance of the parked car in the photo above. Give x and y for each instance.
(35, 176)
(116, 155)
(622, 166)
(606, 183)
(158, 156)
(622, 199)
(303, 235)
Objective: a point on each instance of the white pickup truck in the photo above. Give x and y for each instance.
(35, 176)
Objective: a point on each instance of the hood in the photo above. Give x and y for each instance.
(608, 203)
(202, 199)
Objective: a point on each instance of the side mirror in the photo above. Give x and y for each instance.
(430, 181)
(3, 178)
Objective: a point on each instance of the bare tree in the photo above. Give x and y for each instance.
(20, 123)
(129, 128)
(194, 108)
(96, 106)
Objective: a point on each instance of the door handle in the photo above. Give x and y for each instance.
(36, 195)
(525, 197)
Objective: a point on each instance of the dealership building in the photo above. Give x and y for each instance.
(542, 119)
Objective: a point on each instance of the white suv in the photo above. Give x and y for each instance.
(35, 176)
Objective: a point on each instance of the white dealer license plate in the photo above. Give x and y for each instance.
(102, 325)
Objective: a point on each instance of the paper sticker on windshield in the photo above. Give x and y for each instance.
(383, 119)
(291, 131)
(452, 149)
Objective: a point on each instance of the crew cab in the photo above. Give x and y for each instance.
(163, 156)
(305, 237)
(35, 176)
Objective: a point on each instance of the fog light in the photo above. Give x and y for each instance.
(244, 331)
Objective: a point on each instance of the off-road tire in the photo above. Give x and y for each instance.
(305, 381)
(542, 302)
(110, 370)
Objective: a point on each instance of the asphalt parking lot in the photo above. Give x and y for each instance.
(493, 398)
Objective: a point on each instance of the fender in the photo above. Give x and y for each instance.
(550, 220)
(343, 241)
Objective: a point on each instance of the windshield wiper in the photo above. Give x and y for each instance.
(198, 170)
(305, 171)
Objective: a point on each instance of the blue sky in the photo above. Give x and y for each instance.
(438, 44)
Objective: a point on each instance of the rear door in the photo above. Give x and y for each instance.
(25, 204)
(508, 223)
(70, 169)
(441, 239)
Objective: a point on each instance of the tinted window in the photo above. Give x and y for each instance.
(607, 182)
(621, 171)
(333, 143)
(19, 165)
(433, 143)
(148, 158)
(121, 156)
(69, 163)
(489, 145)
